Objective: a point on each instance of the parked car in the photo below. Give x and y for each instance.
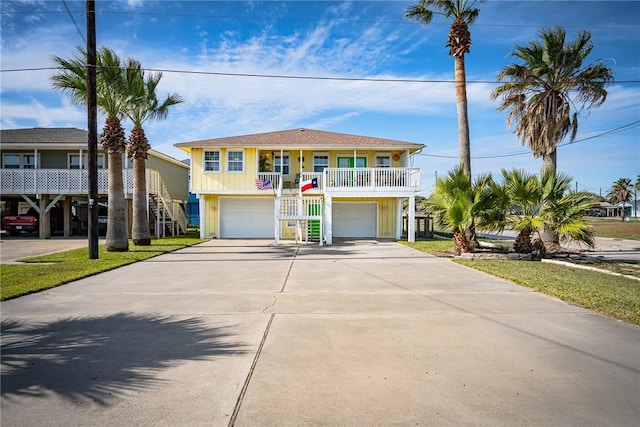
(16, 224)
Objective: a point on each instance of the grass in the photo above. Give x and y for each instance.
(433, 247)
(626, 268)
(615, 228)
(48, 271)
(613, 296)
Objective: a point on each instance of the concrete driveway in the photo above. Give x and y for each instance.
(14, 248)
(369, 333)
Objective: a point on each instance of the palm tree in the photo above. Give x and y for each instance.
(111, 99)
(620, 193)
(562, 212)
(456, 203)
(533, 205)
(144, 105)
(524, 195)
(459, 43)
(538, 92)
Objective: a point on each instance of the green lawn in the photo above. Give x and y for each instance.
(613, 296)
(613, 227)
(48, 271)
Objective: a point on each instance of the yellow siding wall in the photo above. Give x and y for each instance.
(212, 209)
(386, 216)
(237, 182)
(223, 181)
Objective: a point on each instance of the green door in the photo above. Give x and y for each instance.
(313, 225)
(345, 162)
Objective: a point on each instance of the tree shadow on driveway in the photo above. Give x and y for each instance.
(96, 359)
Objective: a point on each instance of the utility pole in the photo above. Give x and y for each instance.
(92, 126)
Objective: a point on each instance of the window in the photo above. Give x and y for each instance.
(212, 161)
(19, 161)
(11, 161)
(320, 162)
(285, 164)
(28, 161)
(383, 161)
(235, 161)
(74, 161)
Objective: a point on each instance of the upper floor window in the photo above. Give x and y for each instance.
(383, 161)
(235, 161)
(285, 164)
(74, 161)
(320, 162)
(19, 161)
(212, 161)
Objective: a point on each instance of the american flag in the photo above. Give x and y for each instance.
(264, 184)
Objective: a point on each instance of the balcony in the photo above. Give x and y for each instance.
(57, 181)
(372, 180)
(352, 181)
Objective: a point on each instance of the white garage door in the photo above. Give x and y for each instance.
(246, 217)
(354, 219)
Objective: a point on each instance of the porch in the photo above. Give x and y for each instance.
(318, 217)
(351, 181)
(43, 188)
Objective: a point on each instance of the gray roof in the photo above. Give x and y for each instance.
(43, 136)
(64, 136)
(300, 138)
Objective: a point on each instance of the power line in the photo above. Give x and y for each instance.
(622, 128)
(296, 77)
(74, 21)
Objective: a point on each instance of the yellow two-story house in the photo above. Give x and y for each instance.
(303, 184)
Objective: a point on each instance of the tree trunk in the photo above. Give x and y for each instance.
(523, 244)
(463, 118)
(549, 162)
(140, 227)
(117, 240)
(461, 241)
(549, 237)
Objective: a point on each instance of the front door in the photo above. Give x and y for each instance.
(348, 178)
(347, 162)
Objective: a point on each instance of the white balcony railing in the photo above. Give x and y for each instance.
(355, 180)
(274, 177)
(292, 208)
(57, 181)
(372, 179)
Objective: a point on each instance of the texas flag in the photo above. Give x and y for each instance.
(308, 185)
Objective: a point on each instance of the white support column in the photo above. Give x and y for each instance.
(202, 217)
(276, 218)
(411, 219)
(399, 218)
(328, 223)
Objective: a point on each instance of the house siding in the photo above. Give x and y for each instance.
(224, 181)
(174, 176)
(386, 212)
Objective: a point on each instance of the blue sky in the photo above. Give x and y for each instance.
(357, 40)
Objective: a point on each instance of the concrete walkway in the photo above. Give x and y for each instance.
(13, 249)
(371, 333)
